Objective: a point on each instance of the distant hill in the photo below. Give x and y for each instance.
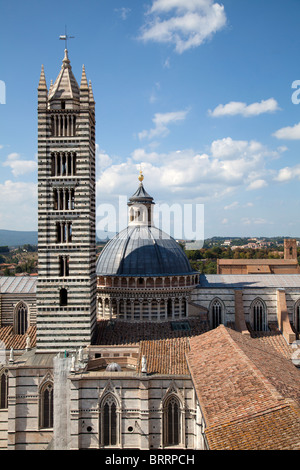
(16, 238)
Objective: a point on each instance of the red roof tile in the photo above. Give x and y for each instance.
(238, 379)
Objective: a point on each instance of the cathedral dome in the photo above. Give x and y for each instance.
(142, 250)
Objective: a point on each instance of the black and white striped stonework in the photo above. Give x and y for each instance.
(66, 287)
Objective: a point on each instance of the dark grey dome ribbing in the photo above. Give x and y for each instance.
(142, 250)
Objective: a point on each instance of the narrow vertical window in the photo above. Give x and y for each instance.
(63, 265)
(259, 315)
(46, 408)
(3, 390)
(21, 319)
(172, 422)
(109, 422)
(63, 297)
(297, 322)
(55, 199)
(58, 232)
(216, 313)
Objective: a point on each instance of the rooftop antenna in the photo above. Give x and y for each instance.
(65, 38)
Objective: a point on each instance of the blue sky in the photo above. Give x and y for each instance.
(196, 92)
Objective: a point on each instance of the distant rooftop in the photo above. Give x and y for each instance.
(249, 280)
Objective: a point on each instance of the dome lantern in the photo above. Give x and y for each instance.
(140, 206)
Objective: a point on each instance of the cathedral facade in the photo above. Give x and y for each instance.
(136, 351)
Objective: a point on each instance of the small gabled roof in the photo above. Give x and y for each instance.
(65, 86)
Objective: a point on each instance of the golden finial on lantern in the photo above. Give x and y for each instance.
(141, 177)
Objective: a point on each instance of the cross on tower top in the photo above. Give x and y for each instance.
(65, 38)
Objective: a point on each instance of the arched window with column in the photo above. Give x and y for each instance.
(172, 422)
(109, 423)
(216, 313)
(21, 318)
(259, 315)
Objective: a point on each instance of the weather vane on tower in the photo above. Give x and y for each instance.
(65, 38)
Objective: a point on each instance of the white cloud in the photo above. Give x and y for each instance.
(123, 12)
(233, 205)
(289, 133)
(18, 205)
(20, 167)
(102, 159)
(161, 122)
(186, 175)
(183, 23)
(257, 184)
(258, 221)
(228, 148)
(235, 108)
(288, 174)
(141, 155)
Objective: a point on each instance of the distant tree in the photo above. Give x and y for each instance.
(30, 248)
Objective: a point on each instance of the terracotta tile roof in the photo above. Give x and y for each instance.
(238, 379)
(164, 347)
(14, 341)
(277, 429)
(261, 261)
(276, 341)
(119, 332)
(166, 356)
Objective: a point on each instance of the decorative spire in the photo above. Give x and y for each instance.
(42, 82)
(66, 60)
(84, 83)
(91, 95)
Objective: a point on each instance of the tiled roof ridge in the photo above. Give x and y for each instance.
(265, 381)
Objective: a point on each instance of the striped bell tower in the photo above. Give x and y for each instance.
(66, 288)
